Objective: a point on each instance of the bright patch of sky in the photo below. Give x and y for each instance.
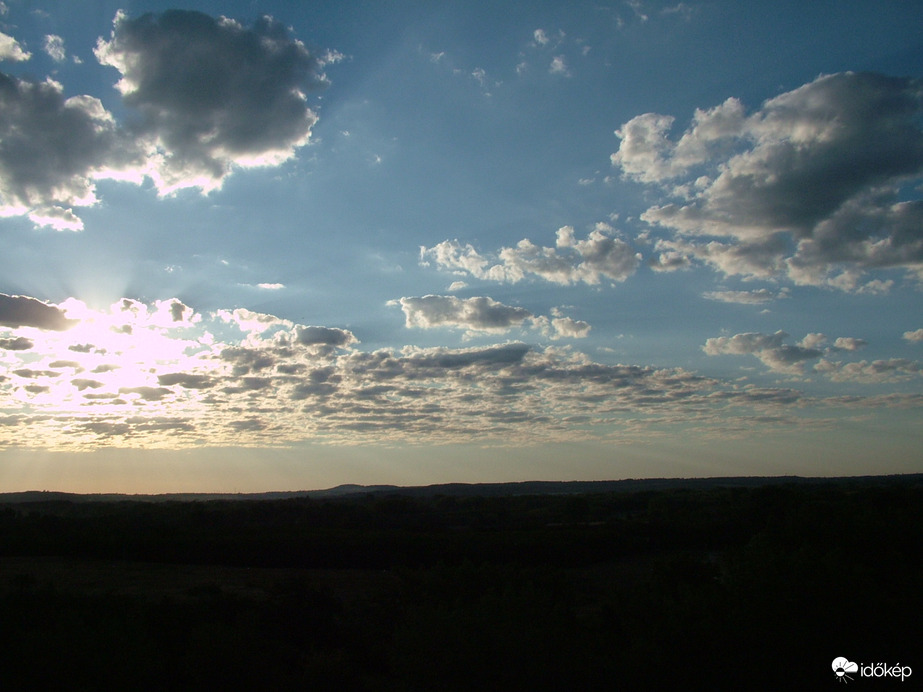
(267, 244)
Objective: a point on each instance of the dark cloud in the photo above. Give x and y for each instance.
(177, 310)
(65, 364)
(248, 425)
(805, 186)
(22, 311)
(20, 343)
(478, 313)
(324, 336)
(212, 93)
(82, 383)
(186, 380)
(247, 359)
(50, 149)
(770, 349)
(31, 374)
(494, 356)
(147, 393)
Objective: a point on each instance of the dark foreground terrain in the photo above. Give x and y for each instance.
(702, 587)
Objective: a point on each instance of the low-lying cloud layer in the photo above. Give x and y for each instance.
(164, 375)
(809, 186)
(205, 95)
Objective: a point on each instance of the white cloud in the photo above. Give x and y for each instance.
(559, 66)
(10, 49)
(566, 327)
(804, 187)
(845, 343)
(598, 257)
(54, 47)
(915, 336)
(756, 297)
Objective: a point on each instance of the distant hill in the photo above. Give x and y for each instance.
(465, 489)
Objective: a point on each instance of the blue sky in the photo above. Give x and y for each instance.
(263, 245)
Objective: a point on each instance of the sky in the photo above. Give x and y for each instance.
(252, 246)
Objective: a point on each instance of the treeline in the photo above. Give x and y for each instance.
(745, 588)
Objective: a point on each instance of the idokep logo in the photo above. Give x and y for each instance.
(842, 667)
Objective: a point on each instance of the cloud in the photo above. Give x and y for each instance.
(22, 311)
(792, 359)
(845, 343)
(51, 150)
(559, 66)
(182, 384)
(804, 187)
(566, 327)
(324, 336)
(598, 257)
(11, 50)
(755, 297)
(18, 344)
(779, 357)
(872, 372)
(206, 96)
(914, 336)
(54, 47)
(478, 314)
(212, 94)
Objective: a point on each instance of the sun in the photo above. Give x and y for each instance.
(110, 361)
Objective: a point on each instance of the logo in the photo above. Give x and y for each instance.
(842, 667)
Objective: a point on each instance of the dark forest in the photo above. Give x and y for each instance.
(700, 586)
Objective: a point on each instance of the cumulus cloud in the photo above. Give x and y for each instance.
(567, 327)
(51, 150)
(478, 314)
(806, 186)
(792, 359)
(23, 311)
(212, 94)
(205, 97)
(780, 357)
(324, 336)
(598, 257)
(11, 50)
(915, 336)
(845, 343)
